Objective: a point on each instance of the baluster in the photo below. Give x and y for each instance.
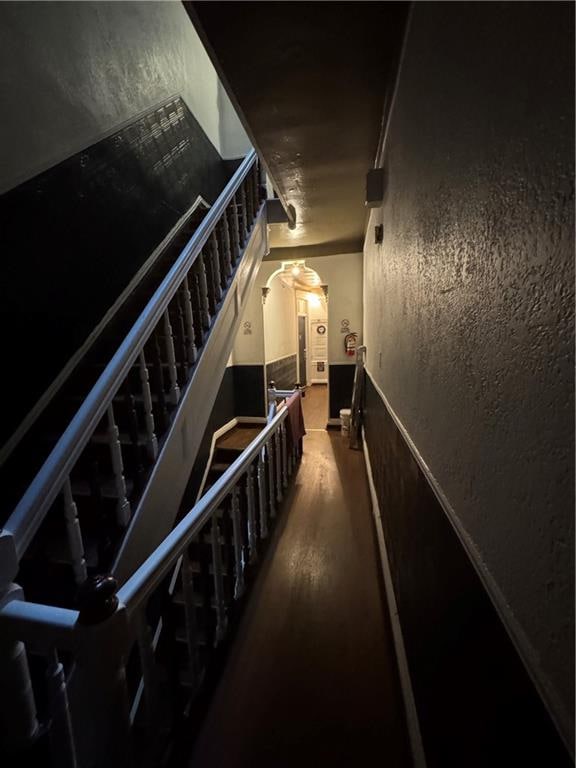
(181, 339)
(251, 506)
(215, 258)
(261, 479)
(134, 435)
(278, 466)
(236, 228)
(206, 256)
(271, 489)
(203, 288)
(237, 534)
(249, 194)
(74, 534)
(197, 306)
(171, 358)
(158, 380)
(227, 253)
(147, 664)
(218, 248)
(189, 318)
(103, 538)
(62, 745)
(262, 191)
(190, 618)
(151, 439)
(284, 455)
(244, 215)
(233, 230)
(122, 504)
(256, 183)
(18, 720)
(221, 620)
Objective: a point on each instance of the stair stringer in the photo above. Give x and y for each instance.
(156, 512)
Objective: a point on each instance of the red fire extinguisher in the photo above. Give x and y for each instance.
(350, 343)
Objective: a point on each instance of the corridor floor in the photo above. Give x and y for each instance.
(315, 406)
(311, 677)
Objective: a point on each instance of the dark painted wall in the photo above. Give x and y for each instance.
(74, 236)
(241, 393)
(476, 703)
(283, 372)
(341, 383)
(469, 304)
(249, 395)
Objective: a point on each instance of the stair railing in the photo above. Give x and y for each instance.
(357, 400)
(111, 689)
(188, 298)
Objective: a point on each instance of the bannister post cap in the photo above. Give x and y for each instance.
(97, 599)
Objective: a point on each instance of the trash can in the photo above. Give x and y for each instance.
(345, 415)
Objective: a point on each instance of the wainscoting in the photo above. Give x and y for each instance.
(476, 703)
(283, 372)
(341, 378)
(75, 235)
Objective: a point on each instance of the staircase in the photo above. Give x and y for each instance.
(110, 486)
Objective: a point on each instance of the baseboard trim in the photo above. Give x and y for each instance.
(412, 721)
(251, 420)
(561, 719)
(333, 422)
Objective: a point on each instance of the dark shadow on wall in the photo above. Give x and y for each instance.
(341, 381)
(241, 393)
(476, 703)
(74, 236)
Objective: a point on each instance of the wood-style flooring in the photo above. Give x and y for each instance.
(315, 406)
(239, 437)
(311, 677)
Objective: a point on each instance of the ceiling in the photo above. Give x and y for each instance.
(310, 81)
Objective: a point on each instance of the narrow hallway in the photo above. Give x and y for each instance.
(315, 406)
(311, 677)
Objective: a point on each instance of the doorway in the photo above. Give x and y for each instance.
(302, 346)
(295, 337)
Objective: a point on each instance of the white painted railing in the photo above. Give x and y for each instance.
(115, 671)
(129, 408)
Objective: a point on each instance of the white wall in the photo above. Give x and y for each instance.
(317, 313)
(73, 72)
(280, 334)
(343, 275)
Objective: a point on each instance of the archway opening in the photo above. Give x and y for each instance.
(296, 336)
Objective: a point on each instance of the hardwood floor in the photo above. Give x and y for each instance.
(311, 678)
(315, 406)
(239, 437)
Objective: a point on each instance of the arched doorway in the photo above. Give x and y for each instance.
(296, 336)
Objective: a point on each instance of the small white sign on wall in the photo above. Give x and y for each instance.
(319, 340)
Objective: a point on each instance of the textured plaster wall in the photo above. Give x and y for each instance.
(280, 338)
(72, 72)
(469, 301)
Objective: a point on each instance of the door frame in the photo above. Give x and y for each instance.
(306, 334)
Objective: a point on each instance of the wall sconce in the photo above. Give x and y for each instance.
(265, 292)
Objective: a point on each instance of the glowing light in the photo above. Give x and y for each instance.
(314, 300)
(295, 270)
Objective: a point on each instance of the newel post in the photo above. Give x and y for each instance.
(98, 687)
(18, 721)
